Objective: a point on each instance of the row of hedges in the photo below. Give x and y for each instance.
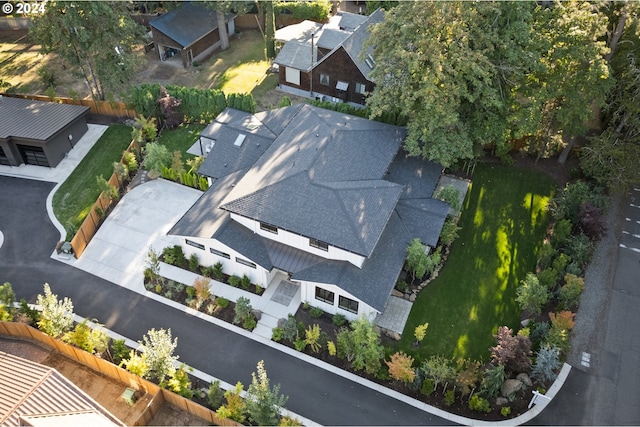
(196, 105)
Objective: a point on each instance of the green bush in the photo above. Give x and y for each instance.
(480, 404)
(314, 11)
(217, 272)
(449, 232)
(428, 387)
(242, 102)
(249, 323)
(174, 255)
(300, 344)
(402, 286)
(277, 334)
(130, 161)
(315, 312)
(546, 255)
(290, 328)
(156, 157)
(569, 294)
(548, 278)
(505, 411)
(579, 249)
(215, 395)
(222, 302)
(194, 262)
(245, 282)
(339, 319)
(120, 351)
(561, 232)
(234, 281)
(449, 397)
(449, 195)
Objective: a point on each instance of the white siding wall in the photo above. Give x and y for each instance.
(300, 242)
(308, 294)
(258, 275)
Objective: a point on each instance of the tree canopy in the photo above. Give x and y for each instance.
(476, 74)
(96, 37)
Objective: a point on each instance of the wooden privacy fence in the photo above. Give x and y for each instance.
(107, 108)
(90, 224)
(160, 395)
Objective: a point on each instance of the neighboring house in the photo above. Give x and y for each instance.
(325, 200)
(331, 63)
(191, 32)
(36, 395)
(38, 133)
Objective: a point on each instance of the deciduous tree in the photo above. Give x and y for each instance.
(158, 349)
(96, 37)
(56, 316)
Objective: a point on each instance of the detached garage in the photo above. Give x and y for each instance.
(38, 133)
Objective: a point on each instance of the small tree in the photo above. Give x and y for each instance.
(417, 259)
(179, 382)
(420, 332)
(136, 364)
(90, 340)
(512, 351)
(468, 375)
(263, 402)
(369, 352)
(215, 395)
(152, 263)
(158, 348)
(449, 231)
(203, 291)
(243, 310)
(400, 367)
(547, 362)
(109, 191)
(531, 295)
(169, 106)
(56, 316)
(439, 369)
(234, 408)
(570, 292)
(156, 157)
(7, 298)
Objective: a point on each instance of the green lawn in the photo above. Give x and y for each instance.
(181, 138)
(74, 198)
(503, 223)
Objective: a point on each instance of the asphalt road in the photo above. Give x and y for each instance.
(324, 397)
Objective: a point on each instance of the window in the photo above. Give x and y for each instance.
(325, 295)
(324, 79)
(292, 76)
(348, 304)
(194, 244)
(318, 244)
(268, 227)
(361, 89)
(245, 262)
(219, 253)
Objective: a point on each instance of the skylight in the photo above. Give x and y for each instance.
(239, 140)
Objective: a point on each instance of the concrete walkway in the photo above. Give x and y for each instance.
(116, 254)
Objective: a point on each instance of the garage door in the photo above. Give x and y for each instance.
(33, 155)
(3, 158)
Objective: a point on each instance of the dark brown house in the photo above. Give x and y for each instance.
(331, 65)
(38, 133)
(189, 32)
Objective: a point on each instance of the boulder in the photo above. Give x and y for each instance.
(501, 401)
(397, 293)
(511, 387)
(257, 314)
(525, 379)
(281, 322)
(412, 298)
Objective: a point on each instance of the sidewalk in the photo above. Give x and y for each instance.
(121, 262)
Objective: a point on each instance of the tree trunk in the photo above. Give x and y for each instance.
(222, 30)
(567, 150)
(270, 31)
(615, 37)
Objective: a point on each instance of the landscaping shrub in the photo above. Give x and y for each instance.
(579, 249)
(243, 310)
(511, 351)
(449, 231)
(156, 157)
(492, 381)
(242, 102)
(592, 221)
(120, 351)
(130, 161)
(312, 337)
(314, 11)
(449, 397)
(222, 302)
(449, 195)
(234, 281)
(547, 362)
(315, 312)
(249, 323)
(400, 367)
(215, 395)
(174, 255)
(402, 286)
(546, 255)
(505, 411)
(277, 334)
(339, 319)
(217, 271)
(477, 403)
(561, 232)
(194, 262)
(245, 282)
(531, 295)
(569, 294)
(560, 264)
(290, 328)
(427, 387)
(548, 278)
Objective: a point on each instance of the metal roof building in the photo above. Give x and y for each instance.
(38, 133)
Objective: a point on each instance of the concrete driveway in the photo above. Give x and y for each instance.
(140, 220)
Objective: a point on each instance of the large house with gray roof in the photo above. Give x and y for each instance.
(331, 62)
(324, 200)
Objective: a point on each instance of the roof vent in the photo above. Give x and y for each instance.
(239, 140)
(369, 63)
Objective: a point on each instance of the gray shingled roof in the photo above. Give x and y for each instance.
(295, 54)
(330, 38)
(245, 241)
(354, 45)
(423, 218)
(329, 166)
(188, 23)
(205, 217)
(350, 21)
(301, 31)
(419, 176)
(226, 157)
(350, 215)
(38, 120)
(373, 282)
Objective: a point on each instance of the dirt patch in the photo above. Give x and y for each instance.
(170, 415)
